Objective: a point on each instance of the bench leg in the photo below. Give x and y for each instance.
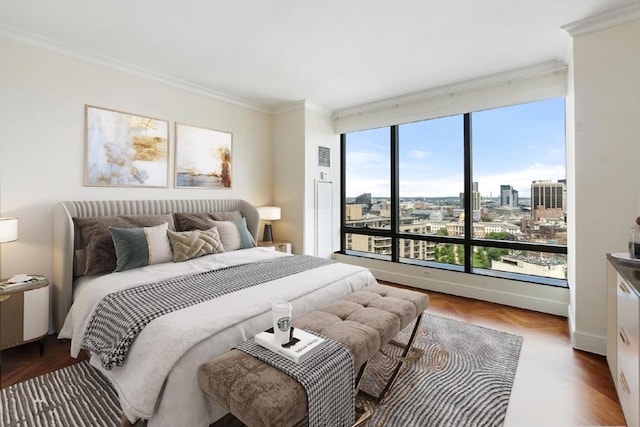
(124, 422)
(359, 377)
(400, 362)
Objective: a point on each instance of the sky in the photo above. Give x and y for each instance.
(511, 146)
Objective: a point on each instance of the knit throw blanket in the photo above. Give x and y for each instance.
(327, 376)
(122, 315)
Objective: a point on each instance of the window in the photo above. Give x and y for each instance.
(483, 192)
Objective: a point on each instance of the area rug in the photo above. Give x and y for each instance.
(457, 375)
(75, 396)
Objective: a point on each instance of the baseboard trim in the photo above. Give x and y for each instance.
(588, 342)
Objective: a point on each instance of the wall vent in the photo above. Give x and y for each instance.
(324, 157)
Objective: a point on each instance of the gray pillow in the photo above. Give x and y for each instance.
(187, 221)
(226, 216)
(234, 234)
(97, 244)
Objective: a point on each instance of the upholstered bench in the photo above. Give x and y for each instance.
(261, 395)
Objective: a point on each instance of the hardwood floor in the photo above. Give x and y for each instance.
(554, 384)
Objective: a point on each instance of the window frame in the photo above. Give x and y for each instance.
(468, 241)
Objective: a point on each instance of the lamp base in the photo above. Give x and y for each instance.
(267, 236)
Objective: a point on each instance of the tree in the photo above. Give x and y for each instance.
(480, 259)
(499, 235)
(445, 254)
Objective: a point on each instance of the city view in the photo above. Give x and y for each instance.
(518, 193)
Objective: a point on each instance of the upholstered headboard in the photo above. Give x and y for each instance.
(64, 233)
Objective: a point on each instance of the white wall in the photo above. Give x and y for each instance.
(319, 131)
(606, 92)
(42, 98)
(288, 175)
(297, 132)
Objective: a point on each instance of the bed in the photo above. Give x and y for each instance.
(157, 380)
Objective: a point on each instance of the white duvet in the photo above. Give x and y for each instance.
(158, 381)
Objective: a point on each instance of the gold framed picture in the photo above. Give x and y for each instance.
(125, 150)
(203, 157)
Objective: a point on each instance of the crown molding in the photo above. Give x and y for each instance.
(548, 67)
(299, 105)
(316, 108)
(290, 106)
(603, 21)
(105, 61)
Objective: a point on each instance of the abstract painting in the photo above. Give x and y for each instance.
(124, 149)
(203, 158)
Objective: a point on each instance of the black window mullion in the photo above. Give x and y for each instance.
(395, 193)
(343, 192)
(468, 196)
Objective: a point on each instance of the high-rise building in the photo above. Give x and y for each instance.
(547, 195)
(475, 198)
(508, 196)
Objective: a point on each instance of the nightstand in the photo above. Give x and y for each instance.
(24, 313)
(278, 245)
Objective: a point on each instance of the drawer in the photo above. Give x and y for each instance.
(628, 347)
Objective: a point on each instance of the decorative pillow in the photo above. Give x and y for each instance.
(192, 244)
(95, 239)
(137, 247)
(235, 234)
(186, 221)
(226, 216)
(193, 221)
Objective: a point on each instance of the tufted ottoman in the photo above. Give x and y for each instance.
(261, 395)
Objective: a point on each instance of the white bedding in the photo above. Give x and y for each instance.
(158, 380)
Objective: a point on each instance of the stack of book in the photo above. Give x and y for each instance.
(307, 344)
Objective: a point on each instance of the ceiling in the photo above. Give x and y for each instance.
(334, 54)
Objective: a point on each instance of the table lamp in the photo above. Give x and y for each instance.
(8, 232)
(268, 214)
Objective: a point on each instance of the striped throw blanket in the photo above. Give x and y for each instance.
(122, 315)
(327, 376)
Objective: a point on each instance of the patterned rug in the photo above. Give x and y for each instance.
(458, 375)
(75, 396)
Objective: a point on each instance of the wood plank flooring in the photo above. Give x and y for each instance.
(554, 384)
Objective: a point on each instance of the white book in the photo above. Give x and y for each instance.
(309, 344)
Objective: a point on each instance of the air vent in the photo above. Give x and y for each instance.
(324, 157)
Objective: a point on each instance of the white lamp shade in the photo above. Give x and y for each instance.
(269, 213)
(8, 229)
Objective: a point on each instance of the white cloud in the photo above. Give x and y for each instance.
(452, 186)
(419, 154)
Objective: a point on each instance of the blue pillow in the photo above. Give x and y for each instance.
(137, 247)
(246, 239)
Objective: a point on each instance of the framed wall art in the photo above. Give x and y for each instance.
(123, 149)
(203, 157)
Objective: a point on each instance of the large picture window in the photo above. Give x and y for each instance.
(483, 192)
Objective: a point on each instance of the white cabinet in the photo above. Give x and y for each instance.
(628, 381)
(623, 341)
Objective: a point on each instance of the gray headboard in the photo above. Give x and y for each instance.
(63, 233)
